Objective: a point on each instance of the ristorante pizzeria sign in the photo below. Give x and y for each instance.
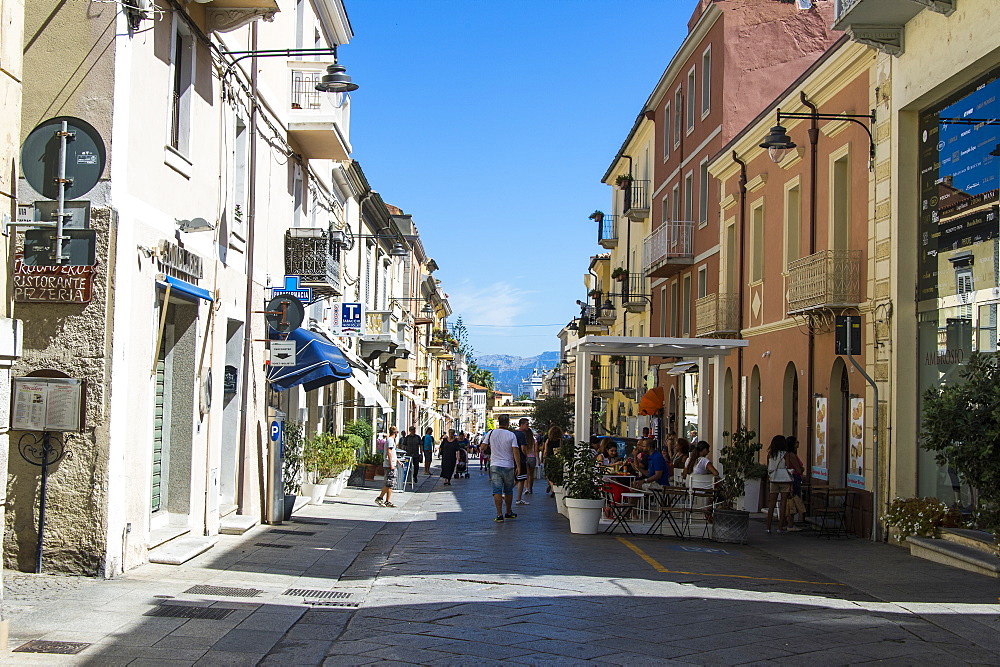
(52, 284)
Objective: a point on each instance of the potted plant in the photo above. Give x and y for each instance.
(584, 491)
(314, 454)
(754, 484)
(291, 464)
(372, 462)
(597, 216)
(595, 293)
(739, 457)
(619, 274)
(555, 472)
(623, 181)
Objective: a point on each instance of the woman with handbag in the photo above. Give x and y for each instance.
(779, 476)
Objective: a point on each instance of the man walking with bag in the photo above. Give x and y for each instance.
(413, 446)
(505, 466)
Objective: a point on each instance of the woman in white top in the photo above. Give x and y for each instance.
(779, 475)
(699, 463)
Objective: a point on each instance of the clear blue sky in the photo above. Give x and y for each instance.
(492, 123)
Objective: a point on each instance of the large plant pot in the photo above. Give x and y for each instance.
(371, 470)
(289, 506)
(357, 476)
(316, 493)
(584, 515)
(332, 485)
(730, 526)
(560, 493)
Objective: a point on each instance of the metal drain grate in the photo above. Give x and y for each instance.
(185, 611)
(332, 603)
(317, 595)
(273, 546)
(282, 531)
(43, 646)
(227, 591)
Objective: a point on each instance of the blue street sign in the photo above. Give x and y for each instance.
(291, 287)
(276, 431)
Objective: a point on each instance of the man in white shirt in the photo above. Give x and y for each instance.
(505, 466)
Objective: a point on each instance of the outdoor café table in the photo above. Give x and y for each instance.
(668, 498)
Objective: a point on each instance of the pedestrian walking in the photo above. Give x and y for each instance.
(484, 455)
(385, 497)
(505, 466)
(796, 505)
(449, 456)
(553, 441)
(529, 454)
(428, 443)
(779, 475)
(413, 445)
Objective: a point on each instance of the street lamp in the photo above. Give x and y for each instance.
(778, 143)
(336, 80)
(346, 239)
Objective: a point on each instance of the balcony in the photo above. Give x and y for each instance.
(668, 249)
(636, 204)
(607, 232)
(827, 279)
(880, 23)
(310, 254)
(634, 295)
(318, 123)
(444, 395)
(717, 316)
(383, 338)
(618, 377)
(423, 377)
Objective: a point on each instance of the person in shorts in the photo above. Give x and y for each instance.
(428, 443)
(385, 497)
(505, 466)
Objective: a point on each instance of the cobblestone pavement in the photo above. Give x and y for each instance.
(436, 581)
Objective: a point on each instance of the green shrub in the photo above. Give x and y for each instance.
(916, 516)
(361, 428)
(584, 477)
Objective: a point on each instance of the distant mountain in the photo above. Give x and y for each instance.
(509, 370)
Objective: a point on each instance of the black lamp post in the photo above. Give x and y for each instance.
(336, 79)
(778, 143)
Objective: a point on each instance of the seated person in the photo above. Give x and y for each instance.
(699, 463)
(609, 457)
(656, 472)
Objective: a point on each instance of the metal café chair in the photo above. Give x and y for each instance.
(619, 512)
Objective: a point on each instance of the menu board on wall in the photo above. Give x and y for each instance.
(819, 469)
(47, 404)
(856, 458)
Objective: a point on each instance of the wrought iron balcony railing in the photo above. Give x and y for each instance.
(310, 254)
(670, 243)
(634, 294)
(607, 232)
(636, 204)
(444, 394)
(717, 315)
(826, 279)
(621, 376)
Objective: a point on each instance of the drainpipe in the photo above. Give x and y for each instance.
(247, 322)
(740, 269)
(811, 355)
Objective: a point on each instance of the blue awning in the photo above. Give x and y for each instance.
(318, 362)
(185, 288)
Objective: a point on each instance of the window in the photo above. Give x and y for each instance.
(689, 197)
(676, 209)
(706, 81)
(702, 281)
(757, 244)
(665, 213)
(840, 204)
(793, 220)
(182, 77)
(678, 117)
(298, 200)
(690, 101)
(673, 308)
(686, 312)
(730, 265)
(703, 193)
(663, 311)
(666, 131)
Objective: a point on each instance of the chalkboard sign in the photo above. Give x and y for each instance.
(229, 380)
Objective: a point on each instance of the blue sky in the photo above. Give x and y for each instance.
(492, 123)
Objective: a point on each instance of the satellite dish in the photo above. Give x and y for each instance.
(85, 157)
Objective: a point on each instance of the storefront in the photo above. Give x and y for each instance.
(959, 256)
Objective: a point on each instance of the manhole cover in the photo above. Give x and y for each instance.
(282, 531)
(331, 603)
(318, 595)
(225, 590)
(43, 646)
(185, 611)
(273, 546)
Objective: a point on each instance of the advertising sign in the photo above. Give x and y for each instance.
(856, 459)
(52, 284)
(282, 352)
(348, 319)
(47, 404)
(819, 469)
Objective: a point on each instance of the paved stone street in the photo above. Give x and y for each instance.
(435, 581)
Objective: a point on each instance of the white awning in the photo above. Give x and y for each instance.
(368, 390)
(420, 403)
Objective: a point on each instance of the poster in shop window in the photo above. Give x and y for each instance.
(819, 469)
(47, 404)
(856, 459)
